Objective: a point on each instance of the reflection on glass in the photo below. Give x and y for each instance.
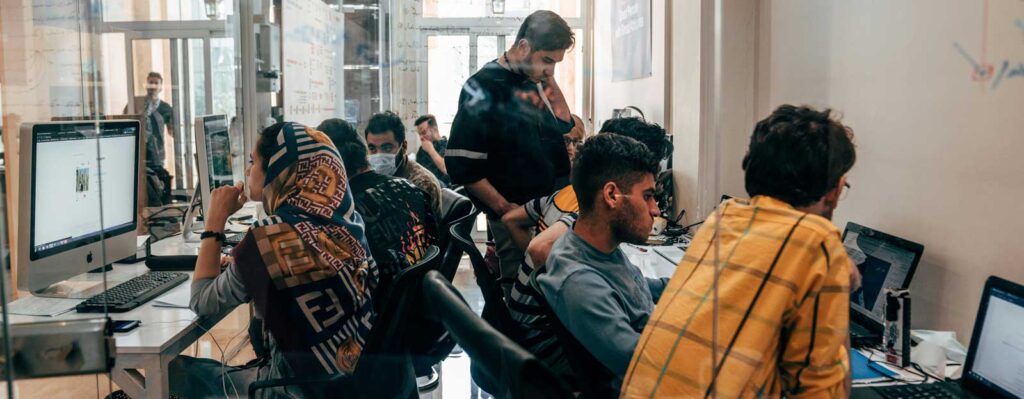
(512, 8)
(169, 10)
(447, 71)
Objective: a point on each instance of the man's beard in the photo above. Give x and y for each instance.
(622, 226)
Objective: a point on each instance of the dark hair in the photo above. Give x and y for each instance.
(652, 135)
(384, 122)
(349, 143)
(797, 155)
(605, 158)
(155, 75)
(546, 31)
(430, 119)
(268, 142)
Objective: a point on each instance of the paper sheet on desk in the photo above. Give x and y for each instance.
(41, 306)
(177, 298)
(671, 253)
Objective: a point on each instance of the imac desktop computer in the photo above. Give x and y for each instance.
(215, 166)
(78, 190)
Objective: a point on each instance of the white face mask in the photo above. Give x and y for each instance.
(383, 163)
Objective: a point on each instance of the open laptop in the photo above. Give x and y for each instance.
(994, 360)
(885, 262)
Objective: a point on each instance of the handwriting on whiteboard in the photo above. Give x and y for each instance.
(995, 74)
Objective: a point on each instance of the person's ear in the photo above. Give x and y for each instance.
(523, 47)
(831, 199)
(610, 195)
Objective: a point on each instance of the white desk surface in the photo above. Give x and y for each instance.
(160, 326)
(651, 263)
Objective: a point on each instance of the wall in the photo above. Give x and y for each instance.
(938, 143)
(648, 94)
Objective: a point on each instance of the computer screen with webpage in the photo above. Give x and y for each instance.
(66, 184)
(999, 357)
(882, 264)
(218, 151)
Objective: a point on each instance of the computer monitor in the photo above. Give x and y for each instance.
(996, 355)
(213, 146)
(885, 262)
(69, 225)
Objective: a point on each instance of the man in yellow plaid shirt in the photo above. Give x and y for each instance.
(779, 316)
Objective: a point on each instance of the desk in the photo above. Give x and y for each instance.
(654, 261)
(143, 354)
(904, 376)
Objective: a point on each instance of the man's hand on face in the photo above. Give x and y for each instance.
(426, 144)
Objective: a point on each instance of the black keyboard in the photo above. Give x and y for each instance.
(233, 239)
(132, 293)
(921, 391)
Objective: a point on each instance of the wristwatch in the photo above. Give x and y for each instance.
(207, 234)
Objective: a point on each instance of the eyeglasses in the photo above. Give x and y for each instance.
(846, 190)
(575, 142)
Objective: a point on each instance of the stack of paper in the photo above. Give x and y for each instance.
(176, 298)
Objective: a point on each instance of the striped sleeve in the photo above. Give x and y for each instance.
(815, 359)
(538, 207)
(467, 153)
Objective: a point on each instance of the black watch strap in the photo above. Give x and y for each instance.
(207, 234)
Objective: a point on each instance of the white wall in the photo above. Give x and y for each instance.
(648, 94)
(939, 154)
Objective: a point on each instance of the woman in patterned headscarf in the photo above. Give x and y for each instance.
(306, 268)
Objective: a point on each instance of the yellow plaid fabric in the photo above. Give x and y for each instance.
(782, 311)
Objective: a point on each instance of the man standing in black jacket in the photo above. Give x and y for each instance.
(506, 142)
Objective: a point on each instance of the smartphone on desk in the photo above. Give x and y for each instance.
(123, 326)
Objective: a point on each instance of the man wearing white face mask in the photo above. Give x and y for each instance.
(385, 139)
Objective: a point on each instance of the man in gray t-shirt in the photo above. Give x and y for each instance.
(596, 293)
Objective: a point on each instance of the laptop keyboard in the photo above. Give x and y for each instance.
(919, 391)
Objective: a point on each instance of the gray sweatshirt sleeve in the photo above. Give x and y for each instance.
(586, 305)
(657, 287)
(215, 295)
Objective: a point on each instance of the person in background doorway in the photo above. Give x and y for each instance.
(432, 148)
(159, 117)
(385, 139)
(506, 143)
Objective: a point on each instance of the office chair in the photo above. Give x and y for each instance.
(495, 310)
(385, 368)
(590, 377)
(454, 207)
(463, 226)
(500, 366)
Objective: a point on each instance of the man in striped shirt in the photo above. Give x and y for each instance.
(778, 314)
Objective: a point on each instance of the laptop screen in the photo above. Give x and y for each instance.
(999, 356)
(884, 262)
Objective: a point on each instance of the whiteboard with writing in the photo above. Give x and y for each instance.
(934, 93)
(313, 65)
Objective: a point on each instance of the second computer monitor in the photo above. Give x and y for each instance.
(78, 190)
(213, 145)
(884, 262)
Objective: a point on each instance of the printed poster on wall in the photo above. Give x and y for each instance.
(631, 39)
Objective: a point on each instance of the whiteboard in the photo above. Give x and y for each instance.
(313, 65)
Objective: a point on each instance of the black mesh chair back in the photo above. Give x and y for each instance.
(463, 227)
(495, 310)
(500, 366)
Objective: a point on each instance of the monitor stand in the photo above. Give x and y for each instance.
(191, 218)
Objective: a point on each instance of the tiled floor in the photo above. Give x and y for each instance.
(455, 376)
